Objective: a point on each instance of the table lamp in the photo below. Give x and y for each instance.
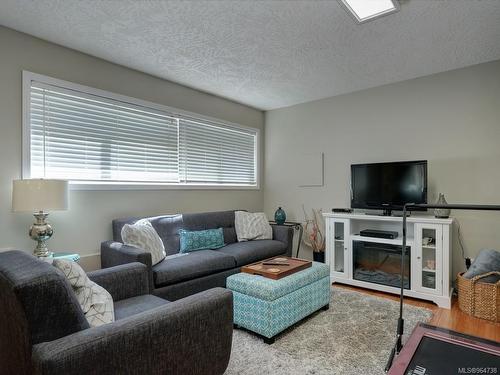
(39, 196)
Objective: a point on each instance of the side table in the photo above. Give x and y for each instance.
(75, 257)
(297, 227)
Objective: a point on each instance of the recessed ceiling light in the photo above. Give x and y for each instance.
(368, 10)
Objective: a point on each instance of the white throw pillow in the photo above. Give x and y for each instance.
(141, 234)
(96, 302)
(252, 226)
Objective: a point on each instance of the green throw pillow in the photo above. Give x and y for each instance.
(208, 239)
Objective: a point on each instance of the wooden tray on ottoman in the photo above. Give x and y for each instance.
(276, 272)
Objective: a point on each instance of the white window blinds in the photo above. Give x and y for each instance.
(216, 155)
(83, 137)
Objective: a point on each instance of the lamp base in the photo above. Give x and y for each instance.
(40, 232)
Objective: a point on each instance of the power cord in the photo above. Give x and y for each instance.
(462, 246)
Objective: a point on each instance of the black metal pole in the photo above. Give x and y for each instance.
(400, 329)
(401, 295)
(473, 207)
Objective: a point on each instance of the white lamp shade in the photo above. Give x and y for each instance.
(36, 195)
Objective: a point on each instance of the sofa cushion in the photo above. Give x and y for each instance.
(190, 266)
(212, 220)
(142, 235)
(252, 226)
(253, 251)
(136, 305)
(167, 226)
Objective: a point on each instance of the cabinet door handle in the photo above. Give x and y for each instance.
(418, 257)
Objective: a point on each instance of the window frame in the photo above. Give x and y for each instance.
(28, 77)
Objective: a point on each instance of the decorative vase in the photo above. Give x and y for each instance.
(442, 213)
(279, 216)
(319, 256)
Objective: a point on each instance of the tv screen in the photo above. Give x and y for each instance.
(388, 185)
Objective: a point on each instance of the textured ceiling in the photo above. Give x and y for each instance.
(268, 54)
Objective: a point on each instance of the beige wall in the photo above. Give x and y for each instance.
(89, 220)
(451, 119)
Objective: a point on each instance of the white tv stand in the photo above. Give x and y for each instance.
(430, 264)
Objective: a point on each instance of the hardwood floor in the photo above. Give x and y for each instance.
(453, 319)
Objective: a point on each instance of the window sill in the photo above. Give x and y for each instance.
(113, 186)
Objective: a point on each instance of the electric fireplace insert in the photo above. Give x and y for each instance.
(380, 263)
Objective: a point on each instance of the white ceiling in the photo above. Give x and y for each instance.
(268, 54)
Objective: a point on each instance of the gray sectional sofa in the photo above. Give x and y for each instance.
(179, 276)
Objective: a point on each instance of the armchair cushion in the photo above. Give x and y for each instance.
(136, 305)
(95, 301)
(253, 251)
(191, 266)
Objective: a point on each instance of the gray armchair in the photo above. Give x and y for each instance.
(43, 329)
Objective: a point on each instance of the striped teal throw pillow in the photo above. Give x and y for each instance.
(208, 239)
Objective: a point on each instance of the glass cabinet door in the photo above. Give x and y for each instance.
(428, 257)
(338, 252)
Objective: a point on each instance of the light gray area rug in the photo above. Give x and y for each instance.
(353, 337)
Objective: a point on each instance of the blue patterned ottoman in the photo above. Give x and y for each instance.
(267, 306)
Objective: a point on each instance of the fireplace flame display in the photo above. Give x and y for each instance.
(380, 263)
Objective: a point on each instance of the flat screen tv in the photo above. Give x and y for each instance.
(388, 186)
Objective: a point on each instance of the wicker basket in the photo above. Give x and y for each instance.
(481, 300)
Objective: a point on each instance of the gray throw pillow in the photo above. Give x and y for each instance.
(486, 261)
(252, 226)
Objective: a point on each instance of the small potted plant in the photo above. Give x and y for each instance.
(315, 234)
